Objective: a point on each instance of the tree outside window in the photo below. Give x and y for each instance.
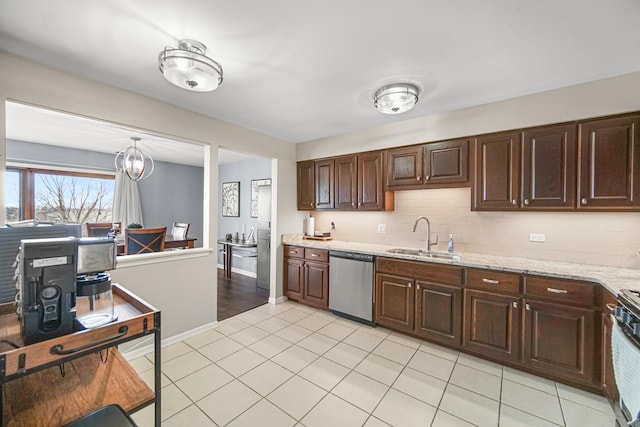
(59, 197)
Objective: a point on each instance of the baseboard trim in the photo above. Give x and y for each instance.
(240, 271)
(146, 346)
(278, 300)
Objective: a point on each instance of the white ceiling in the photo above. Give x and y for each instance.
(302, 70)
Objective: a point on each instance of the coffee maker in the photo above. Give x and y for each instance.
(46, 302)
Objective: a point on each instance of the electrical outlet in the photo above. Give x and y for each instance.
(382, 228)
(536, 237)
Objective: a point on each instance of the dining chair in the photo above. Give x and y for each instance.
(180, 230)
(102, 229)
(144, 240)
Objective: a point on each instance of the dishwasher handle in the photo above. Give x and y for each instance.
(352, 256)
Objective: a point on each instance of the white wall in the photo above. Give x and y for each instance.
(181, 285)
(595, 238)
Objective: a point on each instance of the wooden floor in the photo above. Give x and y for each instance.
(238, 294)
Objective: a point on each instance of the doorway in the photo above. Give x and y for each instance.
(240, 285)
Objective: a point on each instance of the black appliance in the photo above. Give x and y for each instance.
(46, 300)
(625, 344)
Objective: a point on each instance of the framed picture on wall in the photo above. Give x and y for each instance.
(231, 198)
(255, 183)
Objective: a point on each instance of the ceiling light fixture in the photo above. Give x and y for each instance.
(188, 67)
(396, 98)
(136, 163)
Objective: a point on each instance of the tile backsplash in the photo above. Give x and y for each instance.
(601, 238)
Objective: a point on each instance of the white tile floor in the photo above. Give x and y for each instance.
(291, 365)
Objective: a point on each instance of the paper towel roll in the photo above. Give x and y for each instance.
(311, 226)
(626, 359)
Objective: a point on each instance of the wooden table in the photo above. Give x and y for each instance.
(169, 243)
(227, 250)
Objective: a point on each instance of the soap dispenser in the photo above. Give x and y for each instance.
(450, 244)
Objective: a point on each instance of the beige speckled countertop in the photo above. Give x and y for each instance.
(612, 278)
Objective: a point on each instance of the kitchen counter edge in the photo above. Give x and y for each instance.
(613, 279)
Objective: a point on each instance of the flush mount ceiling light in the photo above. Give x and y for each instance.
(188, 67)
(136, 163)
(396, 98)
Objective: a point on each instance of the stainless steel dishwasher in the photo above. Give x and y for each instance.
(351, 285)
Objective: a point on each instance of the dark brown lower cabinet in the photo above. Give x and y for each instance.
(420, 298)
(438, 312)
(316, 281)
(491, 324)
(607, 378)
(307, 276)
(559, 340)
(394, 302)
(294, 278)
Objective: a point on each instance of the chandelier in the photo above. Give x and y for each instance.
(136, 163)
(396, 98)
(188, 67)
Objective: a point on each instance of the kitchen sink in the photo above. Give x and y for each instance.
(424, 253)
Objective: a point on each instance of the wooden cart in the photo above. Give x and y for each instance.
(56, 381)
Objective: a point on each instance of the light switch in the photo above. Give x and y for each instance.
(536, 237)
(382, 228)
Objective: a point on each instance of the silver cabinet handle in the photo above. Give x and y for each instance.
(526, 202)
(493, 282)
(409, 285)
(427, 178)
(315, 255)
(527, 307)
(418, 287)
(359, 204)
(353, 204)
(515, 304)
(557, 291)
(292, 252)
(584, 201)
(418, 178)
(514, 202)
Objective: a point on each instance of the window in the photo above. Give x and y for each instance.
(59, 197)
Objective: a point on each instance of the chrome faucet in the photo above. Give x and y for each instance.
(429, 242)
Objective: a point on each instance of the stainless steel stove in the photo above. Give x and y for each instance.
(625, 344)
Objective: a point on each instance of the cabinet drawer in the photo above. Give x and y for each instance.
(294, 252)
(554, 289)
(425, 271)
(496, 281)
(321, 255)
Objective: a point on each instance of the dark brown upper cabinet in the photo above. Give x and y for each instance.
(437, 164)
(370, 182)
(610, 164)
(446, 162)
(346, 182)
(306, 185)
(549, 156)
(404, 166)
(497, 173)
(324, 182)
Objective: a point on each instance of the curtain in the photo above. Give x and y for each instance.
(126, 201)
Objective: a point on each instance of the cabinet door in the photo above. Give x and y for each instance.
(294, 279)
(558, 340)
(404, 166)
(324, 177)
(446, 162)
(491, 324)
(608, 379)
(370, 194)
(496, 183)
(346, 182)
(306, 185)
(439, 312)
(610, 164)
(316, 284)
(394, 302)
(549, 167)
